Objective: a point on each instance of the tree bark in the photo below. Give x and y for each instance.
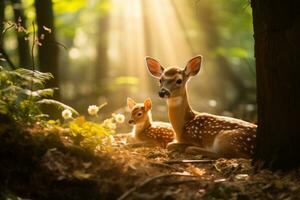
(48, 52)
(277, 49)
(23, 46)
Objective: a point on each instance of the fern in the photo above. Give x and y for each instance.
(58, 105)
(21, 93)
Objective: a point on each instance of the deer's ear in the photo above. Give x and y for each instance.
(154, 67)
(148, 104)
(193, 66)
(130, 103)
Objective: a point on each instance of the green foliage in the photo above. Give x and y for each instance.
(236, 33)
(58, 104)
(21, 93)
(88, 134)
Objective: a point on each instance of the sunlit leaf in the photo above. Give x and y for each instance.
(58, 105)
(126, 80)
(81, 174)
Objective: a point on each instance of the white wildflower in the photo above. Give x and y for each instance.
(120, 118)
(108, 123)
(93, 110)
(66, 114)
(112, 126)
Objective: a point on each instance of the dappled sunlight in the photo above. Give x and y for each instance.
(90, 116)
(105, 50)
(139, 28)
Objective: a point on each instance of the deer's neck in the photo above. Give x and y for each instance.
(141, 127)
(179, 113)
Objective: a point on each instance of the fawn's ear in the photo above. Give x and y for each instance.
(130, 103)
(148, 104)
(154, 67)
(193, 66)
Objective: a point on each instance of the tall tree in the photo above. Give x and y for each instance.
(5, 60)
(23, 46)
(2, 6)
(48, 51)
(101, 68)
(277, 49)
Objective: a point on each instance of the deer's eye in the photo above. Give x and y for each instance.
(139, 114)
(179, 81)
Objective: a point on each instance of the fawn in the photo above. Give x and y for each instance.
(207, 134)
(145, 130)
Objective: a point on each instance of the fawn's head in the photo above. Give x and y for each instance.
(173, 80)
(139, 111)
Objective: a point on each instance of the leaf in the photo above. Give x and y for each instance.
(126, 80)
(25, 78)
(79, 120)
(48, 92)
(58, 105)
(81, 175)
(195, 170)
(3, 107)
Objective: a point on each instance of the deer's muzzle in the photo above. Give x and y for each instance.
(164, 93)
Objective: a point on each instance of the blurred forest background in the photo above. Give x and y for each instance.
(96, 50)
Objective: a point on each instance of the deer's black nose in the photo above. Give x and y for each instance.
(131, 121)
(163, 93)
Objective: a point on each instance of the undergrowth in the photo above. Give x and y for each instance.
(23, 92)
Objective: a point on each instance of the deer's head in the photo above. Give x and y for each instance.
(139, 111)
(173, 80)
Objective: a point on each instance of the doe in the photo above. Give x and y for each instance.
(207, 134)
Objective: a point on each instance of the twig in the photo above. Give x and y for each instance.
(142, 184)
(60, 44)
(6, 29)
(32, 47)
(165, 165)
(182, 182)
(188, 161)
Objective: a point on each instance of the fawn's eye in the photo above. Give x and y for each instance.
(179, 81)
(139, 114)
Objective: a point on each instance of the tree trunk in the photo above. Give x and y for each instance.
(101, 66)
(48, 52)
(2, 7)
(277, 49)
(23, 46)
(4, 58)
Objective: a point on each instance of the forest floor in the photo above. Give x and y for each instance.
(42, 164)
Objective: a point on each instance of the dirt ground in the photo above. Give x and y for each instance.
(42, 165)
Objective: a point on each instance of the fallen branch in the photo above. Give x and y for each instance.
(188, 161)
(142, 184)
(165, 165)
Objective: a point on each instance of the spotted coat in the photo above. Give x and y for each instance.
(160, 135)
(204, 128)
